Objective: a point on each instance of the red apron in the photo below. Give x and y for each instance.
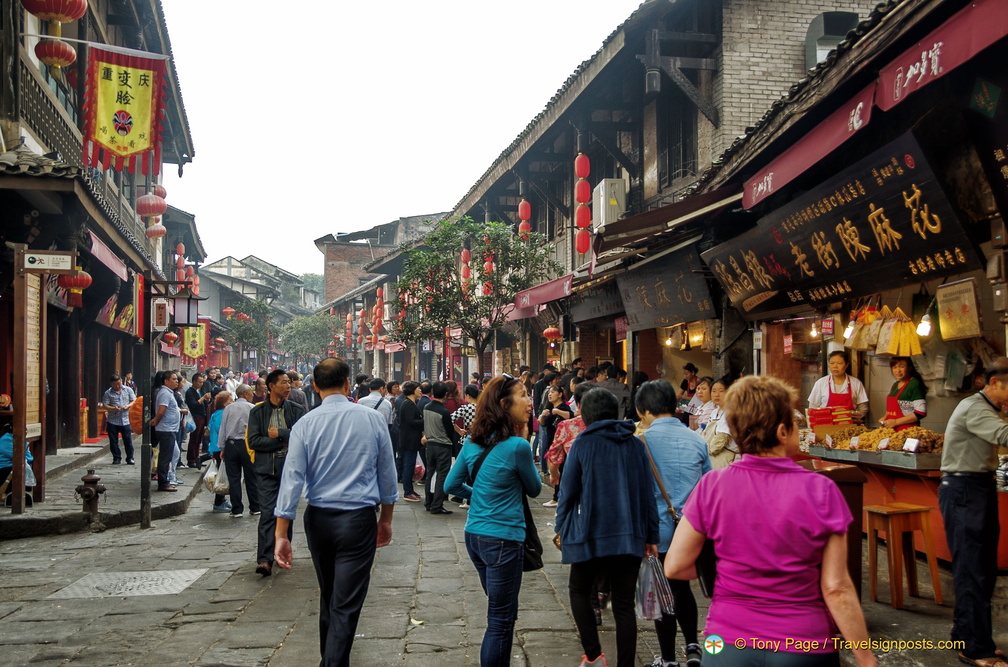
(893, 410)
(839, 400)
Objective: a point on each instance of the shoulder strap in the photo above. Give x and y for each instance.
(661, 485)
(377, 403)
(479, 463)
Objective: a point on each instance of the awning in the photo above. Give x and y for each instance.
(643, 226)
(523, 313)
(540, 294)
(971, 30)
(105, 255)
(838, 127)
(392, 348)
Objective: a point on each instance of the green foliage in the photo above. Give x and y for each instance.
(434, 295)
(314, 282)
(308, 336)
(254, 333)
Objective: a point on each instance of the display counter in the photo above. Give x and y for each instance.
(889, 484)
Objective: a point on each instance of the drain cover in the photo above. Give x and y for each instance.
(124, 584)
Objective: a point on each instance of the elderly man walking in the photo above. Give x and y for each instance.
(234, 423)
(343, 453)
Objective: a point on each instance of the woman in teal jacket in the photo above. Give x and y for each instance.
(495, 527)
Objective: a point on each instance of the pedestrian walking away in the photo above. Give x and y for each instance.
(237, 462)
(341, 454)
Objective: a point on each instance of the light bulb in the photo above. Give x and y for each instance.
(815, 331)
(924, 328)
(849, 331)
(668, 342)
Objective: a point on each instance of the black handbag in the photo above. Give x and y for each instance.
(706, 562)
(532, 546)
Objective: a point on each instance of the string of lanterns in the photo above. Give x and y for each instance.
(582, 195)
(55, 52)
(524, 214)
(150, 207)
(466, 270)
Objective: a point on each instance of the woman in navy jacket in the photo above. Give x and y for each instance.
(607, 519)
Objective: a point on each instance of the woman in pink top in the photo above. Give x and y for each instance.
(782, 589)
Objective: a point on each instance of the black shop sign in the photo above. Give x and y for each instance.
(666, 291)
(882, 223)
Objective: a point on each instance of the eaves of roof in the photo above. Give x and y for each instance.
(187, 154)
(190, 220)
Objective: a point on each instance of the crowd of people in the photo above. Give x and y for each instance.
(636, 471)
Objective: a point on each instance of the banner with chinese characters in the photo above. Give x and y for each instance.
(666, 292)
(194, 342)
(881, 223)
(123, 104)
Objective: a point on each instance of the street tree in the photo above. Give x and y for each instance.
(308, 336)
(254, 331)
(435, 293)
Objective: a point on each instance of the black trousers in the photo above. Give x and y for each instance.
(166, 441)
(237, 462)
(268, 470)
(114, 431)
(439, 458)
(342, 545)
(622, 573)
(969, 509)
(685, 613)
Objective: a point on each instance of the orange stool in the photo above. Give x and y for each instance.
(900, 520)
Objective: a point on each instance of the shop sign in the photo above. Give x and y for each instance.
(958, 310)
(881, 223)
(788, 344)
(826, 327)
(621, 329)
(596, 302)
(664, 293)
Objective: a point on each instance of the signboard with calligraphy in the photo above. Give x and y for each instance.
(987, 119)
(882, 223)
(958, 310)
(664, 293)
(596, 302)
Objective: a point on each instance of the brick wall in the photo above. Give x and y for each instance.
(763, 55)
(344, 264)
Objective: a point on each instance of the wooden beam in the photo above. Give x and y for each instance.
(685, 85)
(608, 142)
(690, 37)
(689, 63)
(550, 198)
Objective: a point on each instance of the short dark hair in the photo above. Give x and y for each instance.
(656, 397)
(273, 377)
(549, 377)
(376, 384)
(997, 369)
(612, 372)
(581, 389)
(409, 387)
(114, 378)
(439, 389)
(577, 380)
(472, 390)
(331, 373)
(360, 378)
(575, 362)
(393, 383)
(197, 375)
(598, 404)
(425, 387)
(293, 376)
(841, 353)
(548, 367)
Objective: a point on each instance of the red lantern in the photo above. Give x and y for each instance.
(488, 267)
(195, 281)
(220, 340)
(243, 317)
(349, 318)
(583, 241)
(360, 339)
(55, 53)
(159, 190)
(228, 312)
(157, 230)
(582, 166)
(63, 11)
(171, 337)
(552, 333)
(180, 262)
(487, 288)
(582, 191)
(466, 255)
(402, 314)
(524, 210)
(180, 249)
(524, 229)
(179, 275)
(74, 284)
(582, 216)
(363, 314)
(150, 205)
(466, 272)
(379, 293)
(190, 271)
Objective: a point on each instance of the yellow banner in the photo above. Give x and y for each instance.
(124, 102)
(194, 341)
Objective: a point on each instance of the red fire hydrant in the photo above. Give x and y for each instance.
(90, 490)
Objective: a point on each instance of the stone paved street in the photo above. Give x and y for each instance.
(425, 606)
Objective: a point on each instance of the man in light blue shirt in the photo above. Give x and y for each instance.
(342, 451)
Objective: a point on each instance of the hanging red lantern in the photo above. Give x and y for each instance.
(488, 267)
(75, 284)
(552, 333)
(228, 312)
(524, 229)
(150, 205)
(196, 280)
(583, 241)
(466, 272)
(159, 190)
(190, 271)
(582, 216)
(220, 340)
(487, 288)
(180, 262)
(170, 336)
(524, 210)
(180, 249)
(179, 275)
(360, 339)
(157, 230)
(363, 314)
(582, 166)
(63, 11)
(379, 293)
(56, 54)
(582, 191)
(466, 255)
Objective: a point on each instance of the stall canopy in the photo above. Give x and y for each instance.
(104, 254)
(540, 294)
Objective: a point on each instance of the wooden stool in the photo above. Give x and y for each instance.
(900, 520)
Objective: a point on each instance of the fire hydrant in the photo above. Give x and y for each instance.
(89, 491)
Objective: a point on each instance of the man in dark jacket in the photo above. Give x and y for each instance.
(411, 423)
(196, 400)
(269, 428)
(441, 439)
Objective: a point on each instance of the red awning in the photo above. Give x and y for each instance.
(105, 255)
(523, 313)
(971, 30)
(838, 127)
(540, 294)
(392, 348)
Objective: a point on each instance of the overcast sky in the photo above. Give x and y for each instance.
(316, 117)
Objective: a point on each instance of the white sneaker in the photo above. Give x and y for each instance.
(553, 503)
(464, 505)
(660, 662)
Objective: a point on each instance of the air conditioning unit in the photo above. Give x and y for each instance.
(608, 201)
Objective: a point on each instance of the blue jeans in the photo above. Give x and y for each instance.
(499, 564)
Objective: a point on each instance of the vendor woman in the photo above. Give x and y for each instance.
(906, 404)
(839, 389)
